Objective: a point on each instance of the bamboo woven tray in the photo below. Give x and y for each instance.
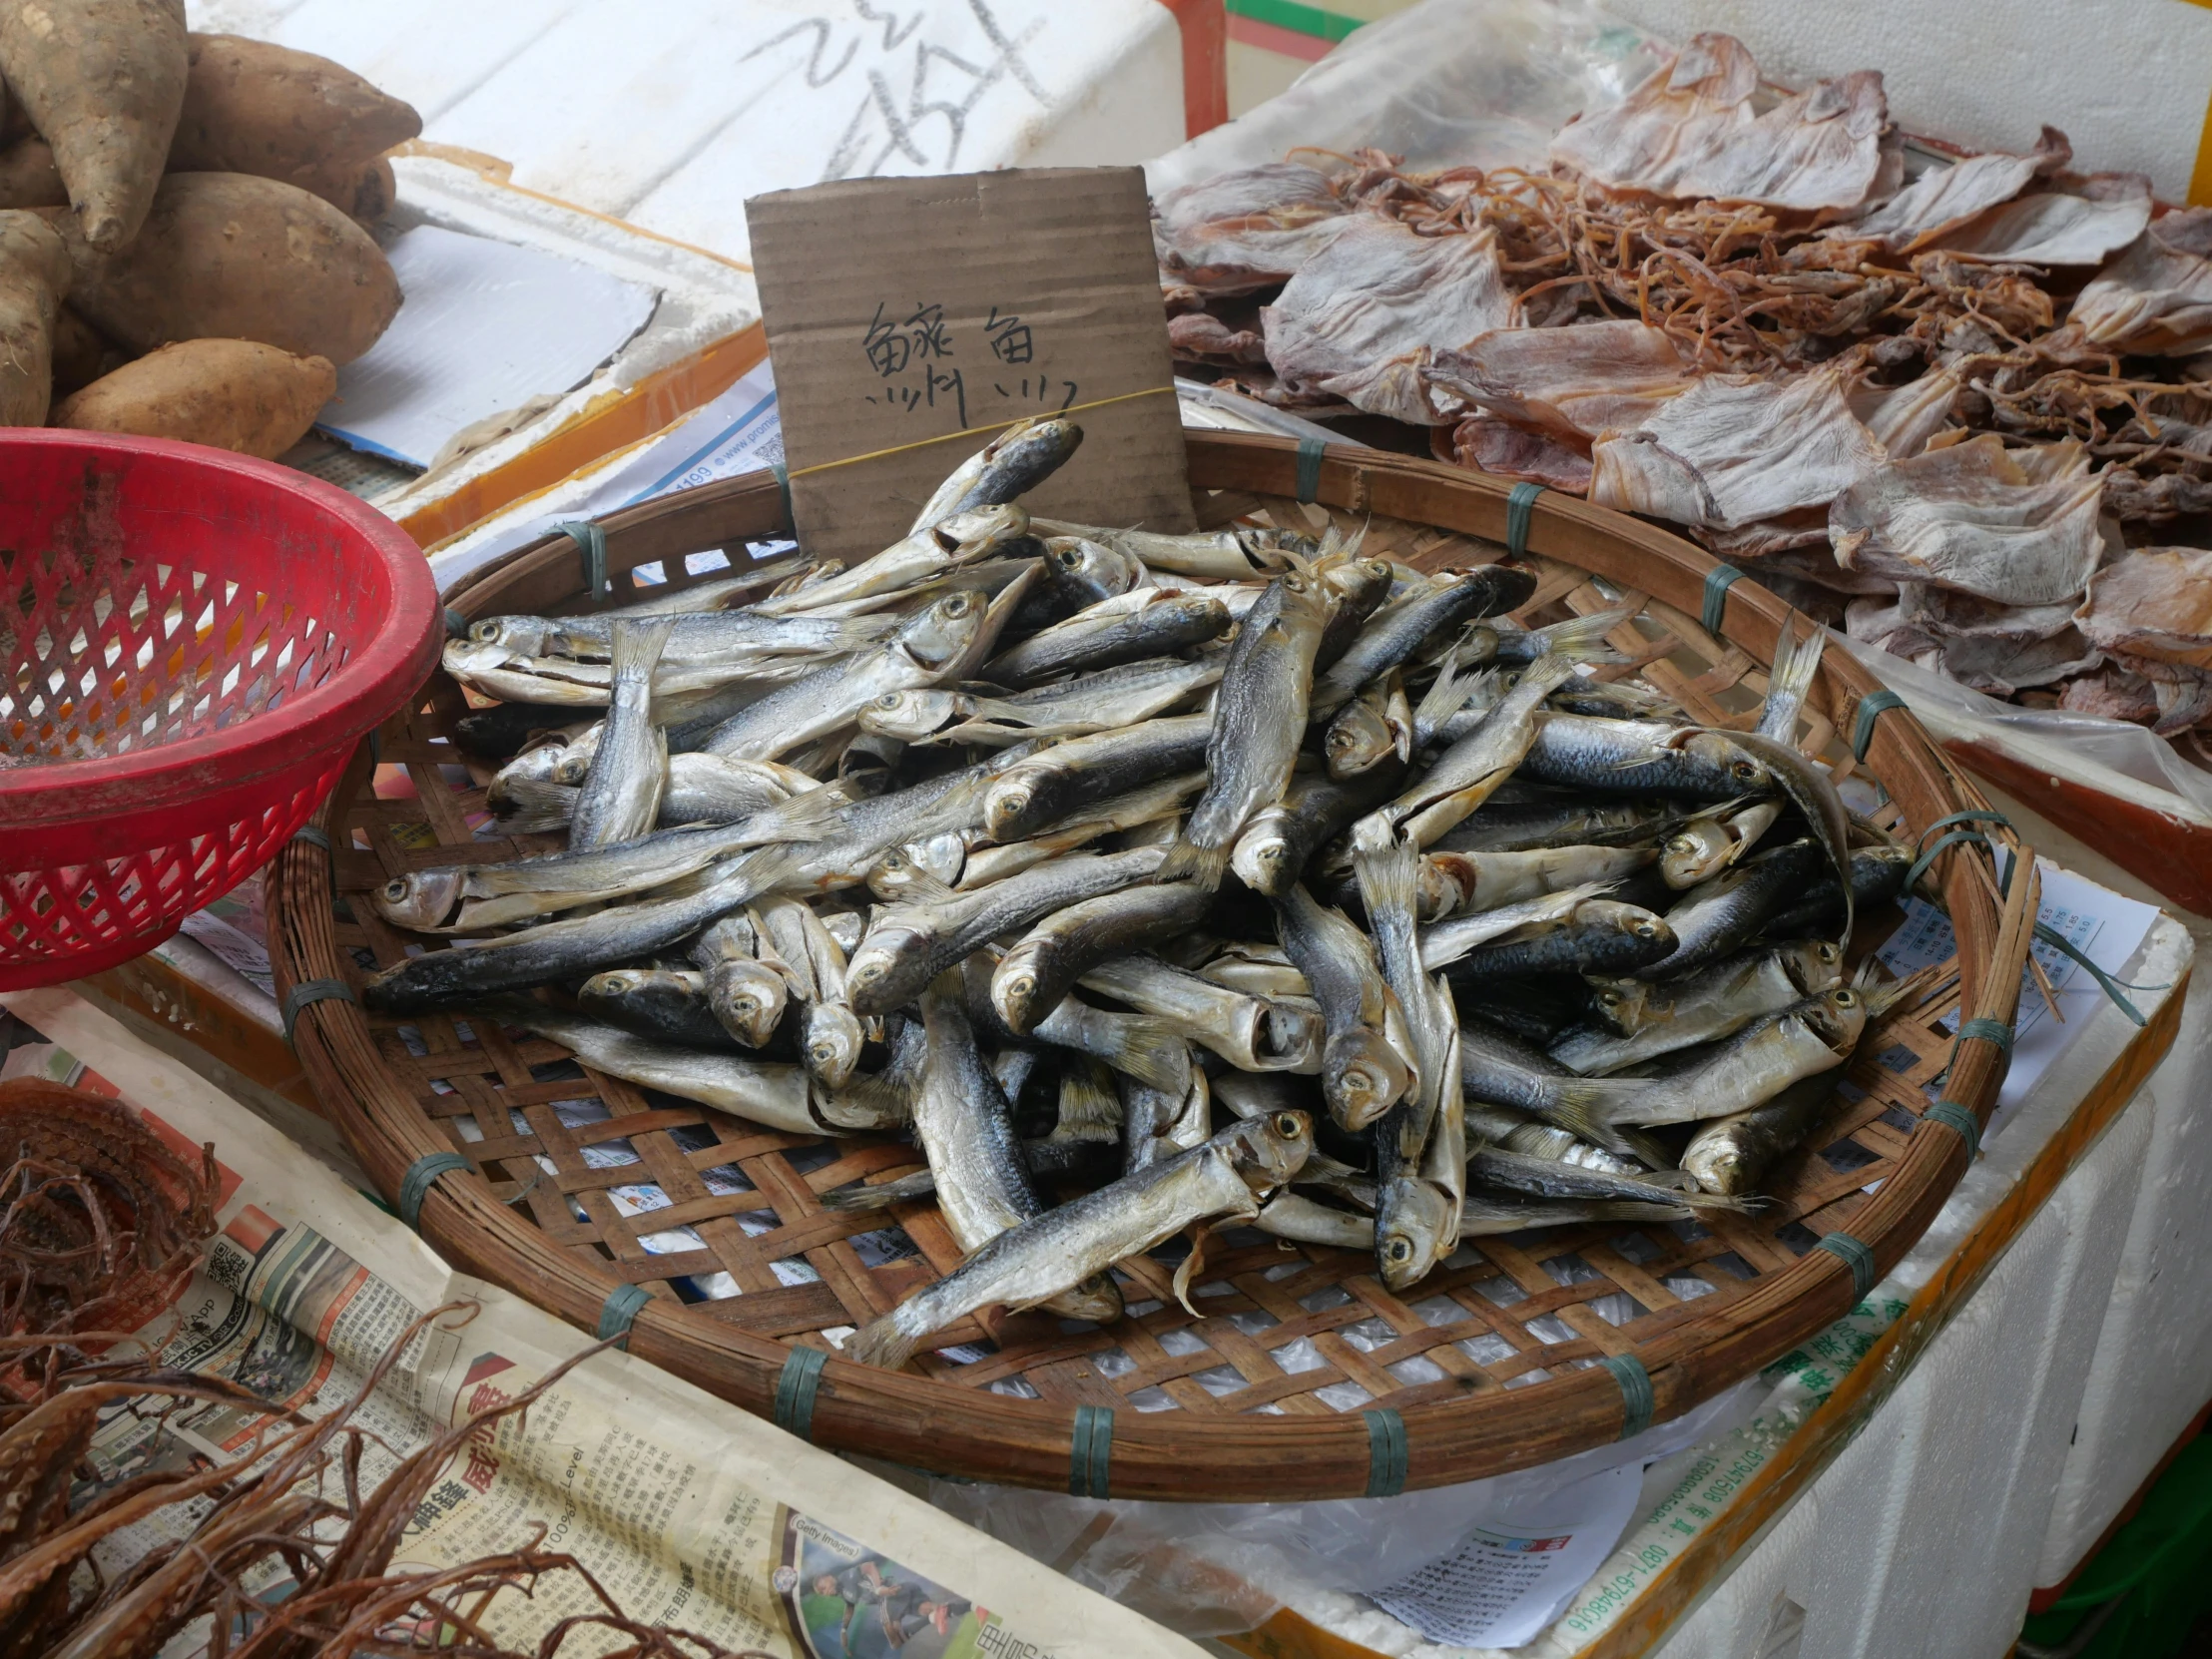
(1306, 1379)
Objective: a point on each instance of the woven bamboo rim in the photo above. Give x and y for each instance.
(1474, 1422)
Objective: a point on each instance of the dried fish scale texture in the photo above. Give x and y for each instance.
(1735, 450)
(1362, 318)
(2020, 526)
(2157, 297)
(1689, 133)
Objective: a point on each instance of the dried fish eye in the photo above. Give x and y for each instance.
(1746, 771)
(1070, 556)
(1828, 953)
(1845, 999)
(1294, 584)
(1289, 1125)
(1401, 1250)
(395, 890)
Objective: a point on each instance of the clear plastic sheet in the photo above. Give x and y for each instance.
(1476, 83)
(2113, 756)
(1213, 1569)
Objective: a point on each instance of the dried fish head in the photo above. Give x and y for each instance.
(1814, 965)
(1362, 1073)
(910, 715)
(1837, 1017)
(423, 901)
(1268, 1151)
(748, 997)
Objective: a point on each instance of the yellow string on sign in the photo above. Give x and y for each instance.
(978, 431)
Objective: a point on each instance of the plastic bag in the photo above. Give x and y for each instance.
(1477, 83)
(1214, 1569)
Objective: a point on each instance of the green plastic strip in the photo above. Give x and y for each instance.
(620, 1311)
(457, 625)
(1987, 1031)
(784, 483)
(421, 1176)
(1872, 708)
(1854, 1256)
(1298, 19)
(591, 542)
(1520, 513)
(1957, 1117)
(2047, 935)
(1718, 580)
(1092, 1452)
(1386, 1453)
(312, 837)
(1309, 453)
(1637, 1400)
(1926, 861)
(795, 1387)
(312, 990)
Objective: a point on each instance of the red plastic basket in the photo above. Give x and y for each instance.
(196, 642)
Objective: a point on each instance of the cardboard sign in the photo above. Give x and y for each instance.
(904, 312)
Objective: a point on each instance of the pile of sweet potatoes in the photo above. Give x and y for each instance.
(184, 242)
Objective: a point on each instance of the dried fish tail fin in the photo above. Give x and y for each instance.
(1452, 691)
(1585, 1108)
(1582, 639)
(532, 807)
(1186, 861)
(1152, 1051)
(638, 646)
(1796, 661)
(1090, 1107)
(889, 1342)
(1878, 994)
(905, 1189)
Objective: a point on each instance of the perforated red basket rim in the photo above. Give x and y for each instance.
(381, 670)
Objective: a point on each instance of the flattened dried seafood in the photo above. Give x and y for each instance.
(1364, 316)
(2156, 296)
(2155, 602)
(1689, 132)
(1943, 198)
(1572, 383)
(2020, 526)
(1246, 230)
(2077, 222)
(1734, 451)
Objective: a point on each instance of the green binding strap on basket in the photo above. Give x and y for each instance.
(312, 837)
(312, 990)
(619, 1312)
(1637, 1400)
(1958, 1119)
(457, 625)
(591, 542)
(1718, 580)
(2047, 935)
(1520, 513)
(1091, 1454)
(1987, 1031)
(1309, 452)
(421, 1176)
(784, 483)
(1872, 708)
(1386, 1453)
(795, 1387)
(1854, 1256)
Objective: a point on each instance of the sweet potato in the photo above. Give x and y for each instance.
(28, 176)
(34, 274)
(226, 256)
(253, 107)
(81, 353)
(362, 191)
(234, 394)
(104, 82)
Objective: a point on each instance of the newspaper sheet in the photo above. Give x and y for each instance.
(690, 1511)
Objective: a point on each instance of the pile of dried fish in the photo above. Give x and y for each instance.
(1218, 877)
(1964, 416)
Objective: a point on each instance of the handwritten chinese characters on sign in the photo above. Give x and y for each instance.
(1013, 294)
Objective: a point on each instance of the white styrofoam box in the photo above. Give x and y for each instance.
(2127, 80)
(2153, 1371)
(671, 115)
(1920, 1537)
(701, 298)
